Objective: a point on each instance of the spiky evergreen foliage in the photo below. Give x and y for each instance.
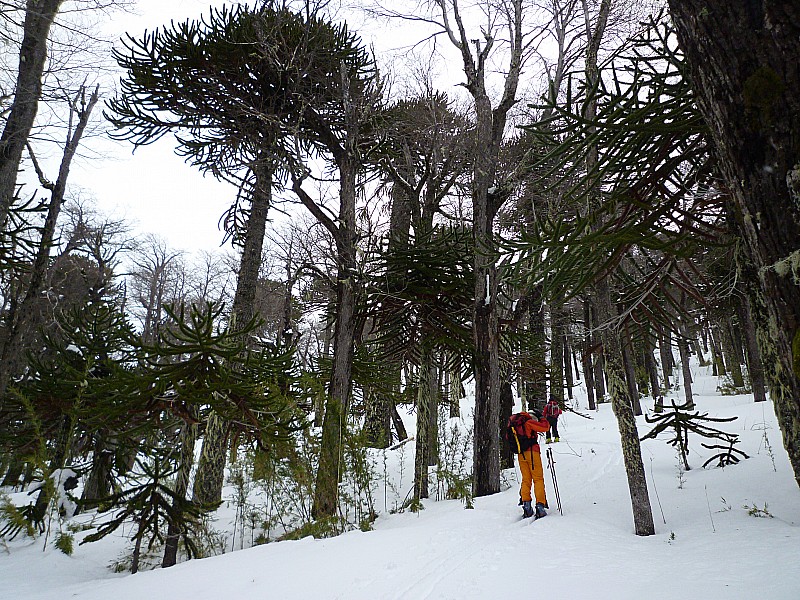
(151, 504)
(73, 389)
(659, 200)
(78, 383)
(198, 363)
(197, 368)
(429, 305)
(242, 87)
(681, 421)
(425, 154)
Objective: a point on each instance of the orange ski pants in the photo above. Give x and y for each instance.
(530, 465)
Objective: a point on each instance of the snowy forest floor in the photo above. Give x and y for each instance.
(721, 533)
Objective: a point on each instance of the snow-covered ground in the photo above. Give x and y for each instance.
(707, 545)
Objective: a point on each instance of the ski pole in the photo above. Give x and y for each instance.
(552, 464)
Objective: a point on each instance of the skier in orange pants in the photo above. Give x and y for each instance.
(526, 444)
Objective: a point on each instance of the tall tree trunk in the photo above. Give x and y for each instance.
(731, 354)
(377, 422)
(425, 390)
(720, 367)
(377, 419)
(699, 351)
(137, 548)
(665, 353)
(490, 123)
(536, 365)
(683, 350)
(506, 408)
(620, 401)
(186, 458)
(569, 381)
(629, 364)
(650, 364)
(557, 353)
(755, 369)
(210, 475)
(98, 484)
(455, 388)
(326, 492)
(586, 354)
(397, 421)
(39, 16)
(743, 63)
(600, 375)
(432, 456)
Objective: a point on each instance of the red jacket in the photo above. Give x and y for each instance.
(540, 426)
(551, 409)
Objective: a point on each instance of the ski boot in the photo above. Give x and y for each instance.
(540, 511)
(527, 510)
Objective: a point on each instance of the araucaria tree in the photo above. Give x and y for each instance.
(253, 92)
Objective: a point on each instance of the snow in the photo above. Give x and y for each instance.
(709, 548)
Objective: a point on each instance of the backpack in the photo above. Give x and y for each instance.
(516, 436)
(552, 410)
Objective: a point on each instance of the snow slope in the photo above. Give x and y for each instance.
(707, 545)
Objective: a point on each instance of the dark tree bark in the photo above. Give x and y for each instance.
(650, 365)
(535, 368)
(629, 363)
(377, 419)
(186, 460)
(210, 475)
(569, 381)
(326, 492)
(39, 16)
(397, 421)
(621, 402)
(586, 354)
(378, 407)
(683, 350)
(557, 353)
(731, 353)
(600, 375)
(425, 391)
(720, 368)
(14, 472)
(755, 368)
(506, 408)
(455, 389)
(490, 124)
(98, 483)
(744, 68)
(665, 353)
